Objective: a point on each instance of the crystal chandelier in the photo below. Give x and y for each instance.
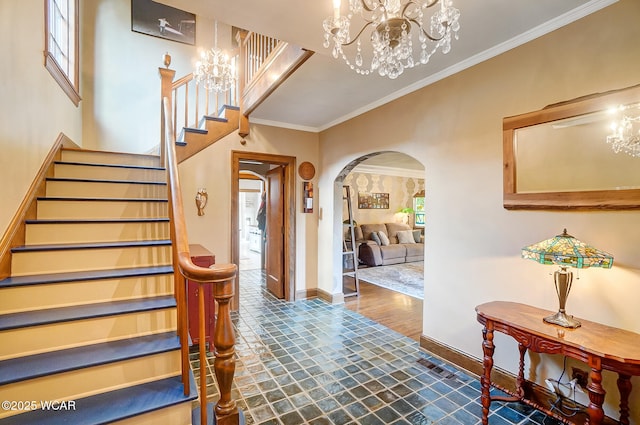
(215, 71)
(625, 135)
(393, 27)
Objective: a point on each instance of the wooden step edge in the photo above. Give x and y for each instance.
(74, 199)
(229, 107)
(93, 164)
(78, 180)
(135, 155)
(195, 130)
(90, 245)
(92, 275)
(143, 220)
(54, 362)
(113, 406)
(83, 312)
(216, 119)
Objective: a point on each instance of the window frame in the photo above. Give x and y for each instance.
(70, 84)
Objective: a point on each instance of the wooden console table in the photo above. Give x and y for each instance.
(600, 346)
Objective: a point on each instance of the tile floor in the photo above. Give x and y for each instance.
(311, 362)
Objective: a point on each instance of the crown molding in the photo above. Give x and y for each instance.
(388, 171)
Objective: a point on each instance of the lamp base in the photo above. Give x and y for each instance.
(561, 319)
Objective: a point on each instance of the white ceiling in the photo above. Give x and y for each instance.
(324, 92)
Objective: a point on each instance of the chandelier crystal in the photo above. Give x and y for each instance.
(215, 71)
(393, 28)
(625, 130)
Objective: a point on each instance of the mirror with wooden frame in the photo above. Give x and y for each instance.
(559, 157)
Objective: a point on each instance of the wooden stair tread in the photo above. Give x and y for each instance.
(69, 179)
(75, 199)
(91, 245)
(98, 220)
(87, 311)
(112, 406)
(38, 365)
(92, 164)
(83, 275)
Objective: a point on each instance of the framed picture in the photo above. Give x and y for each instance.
(159, 20)
(375, 201)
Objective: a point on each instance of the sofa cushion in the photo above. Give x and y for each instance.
(405, 236)
(415, 250)
(393, 251)
(384, 240)
(393, 228)
(376, 238)
(367, 229)
(416, 235)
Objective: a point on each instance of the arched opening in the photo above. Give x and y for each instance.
(382, 256)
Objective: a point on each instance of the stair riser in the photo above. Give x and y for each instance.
(74, 171)
(70, 260)
(53, 295)
(93, 380)
(58, 336)
(175, 415)
(109, 158)
(57, 233)
(100, 209)
(80, 189)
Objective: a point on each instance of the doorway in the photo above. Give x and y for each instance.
(284, 255)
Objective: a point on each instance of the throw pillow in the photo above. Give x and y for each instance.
(384, 239)
(405, 236)
(416, 235)
(376, 238)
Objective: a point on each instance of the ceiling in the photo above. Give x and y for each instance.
(324, 92)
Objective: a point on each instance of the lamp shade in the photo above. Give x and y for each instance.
(567, 251)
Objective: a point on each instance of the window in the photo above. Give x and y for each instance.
(61, 45)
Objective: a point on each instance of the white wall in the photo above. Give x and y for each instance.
(120, 75)
(211, 168)
(33, 108)
(454, 127)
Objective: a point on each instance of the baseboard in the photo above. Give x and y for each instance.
(15, 232)
(501, 377)
(330, 298)
(305, 294)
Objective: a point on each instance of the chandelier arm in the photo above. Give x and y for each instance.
(412, 2)
(366, 7)
(429, 36)
(358, 35)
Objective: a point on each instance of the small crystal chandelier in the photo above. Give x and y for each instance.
(625, 136)
(215, 70)
(392, 25)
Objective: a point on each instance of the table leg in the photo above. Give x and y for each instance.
(485, 379)
(624, 386)
(520, 378)
(596, 393)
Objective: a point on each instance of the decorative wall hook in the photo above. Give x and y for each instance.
(201, 200)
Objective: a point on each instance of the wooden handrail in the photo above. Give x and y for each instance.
(222, 276)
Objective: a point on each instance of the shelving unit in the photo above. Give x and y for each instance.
(349, 254)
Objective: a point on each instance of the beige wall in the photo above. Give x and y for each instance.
(211, 169)
(120, 75)
(400, 190)
(33, 108)
(473, 245)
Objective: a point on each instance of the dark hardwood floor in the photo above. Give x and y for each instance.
(394, 310)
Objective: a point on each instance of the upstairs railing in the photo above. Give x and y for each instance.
(255, 50)
(221, 276)
(191, 100)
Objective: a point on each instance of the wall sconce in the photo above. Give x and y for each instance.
(201, 200)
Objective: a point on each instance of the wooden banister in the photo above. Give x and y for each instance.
(222, 276)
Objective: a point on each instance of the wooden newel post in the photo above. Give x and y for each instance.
(166, 90)
(225, 363)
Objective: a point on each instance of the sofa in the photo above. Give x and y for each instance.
(388, 243)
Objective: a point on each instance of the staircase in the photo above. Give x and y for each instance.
(88, 315)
